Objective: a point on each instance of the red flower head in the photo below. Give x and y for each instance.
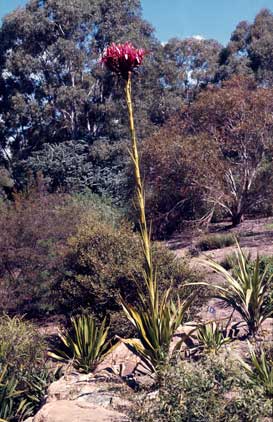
(122, 58)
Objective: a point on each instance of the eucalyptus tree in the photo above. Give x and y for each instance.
(190, 64)
(53, 89)
(218, 156)
(249, 51)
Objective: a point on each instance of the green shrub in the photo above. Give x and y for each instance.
(34, 230)
(34, 243)
(100, 264)
(156, 319)
(60, 253)
(104, 261)
(265, 262)
(216, 241)
(21, 346)
(99, 206)
(23, 354)
(211, 390)
(35, 383)
(230, 262)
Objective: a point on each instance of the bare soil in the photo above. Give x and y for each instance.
(254, 235)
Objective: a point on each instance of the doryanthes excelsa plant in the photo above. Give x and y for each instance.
(156, 317)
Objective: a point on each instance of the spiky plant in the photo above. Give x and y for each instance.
(37, 383)
(85, 344)
(156, 325)
(260, 370)
(211, 338)
(245, 289)
(8, 395)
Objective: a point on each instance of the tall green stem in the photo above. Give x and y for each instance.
(140, 192)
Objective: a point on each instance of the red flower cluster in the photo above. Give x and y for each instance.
(122, 58)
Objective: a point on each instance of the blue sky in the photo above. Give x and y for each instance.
(184, 18)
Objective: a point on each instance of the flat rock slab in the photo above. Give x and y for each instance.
(70, 411)
(92, 389)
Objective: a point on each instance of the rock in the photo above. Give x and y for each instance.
(75, 411)
(99, 390)
(122, 360)
(95, 397)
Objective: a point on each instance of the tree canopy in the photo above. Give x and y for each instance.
(53, 88)
(63, 115)
(218, 155)
(250, 50)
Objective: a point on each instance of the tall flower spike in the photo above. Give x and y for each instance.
(156, 317)
(122, 58)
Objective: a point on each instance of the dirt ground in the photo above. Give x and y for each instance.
(256, 236)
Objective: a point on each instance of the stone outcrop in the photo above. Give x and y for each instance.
(75, 397)
(105, 390)
(76, 411)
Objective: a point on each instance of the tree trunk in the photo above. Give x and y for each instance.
(237, 218)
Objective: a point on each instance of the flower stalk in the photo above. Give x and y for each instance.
(155, 318)
(145, 235)
(123, 59)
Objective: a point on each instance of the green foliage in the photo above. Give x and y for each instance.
(216, 241)
(171, 199)
(248, 51)
(266, 263)
(66, 101)
(156, 322)
(101, 207)
(105, 260)
(74, 126)
(36, 383)
(260, 370)
(78, 165)
(25, 377)
(63, 165)
(269, 226)
(192, 64)
(211, 390)
(8, 395)
(73, 251)
(246, 289)
(34, 244)
(211, 337)
(22, 348)
(195, 174)
(229, 261)
(100, 263)
(84, 344)
(17, 405)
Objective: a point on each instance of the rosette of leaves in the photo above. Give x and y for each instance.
(246, 289)
(85, 344)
